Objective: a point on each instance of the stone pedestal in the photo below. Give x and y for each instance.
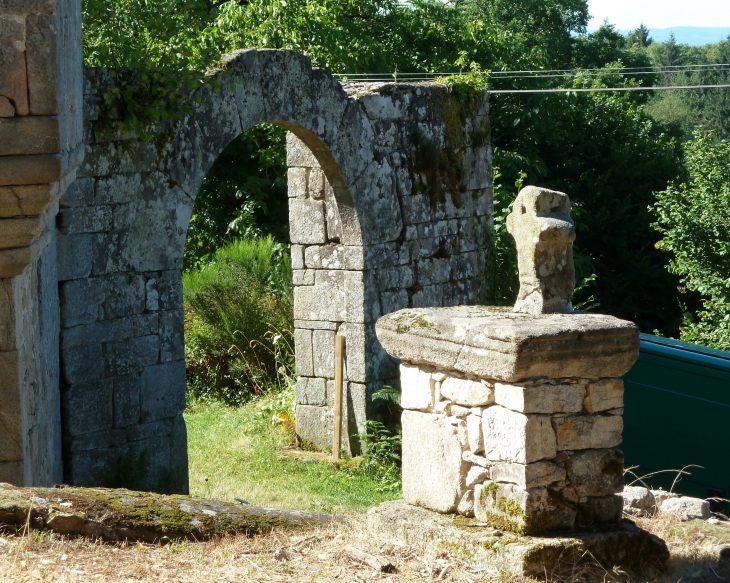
(512, 418)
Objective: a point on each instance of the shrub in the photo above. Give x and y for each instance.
(239, 322)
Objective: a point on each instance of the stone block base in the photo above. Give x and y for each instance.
(616, 545)
(527, 458)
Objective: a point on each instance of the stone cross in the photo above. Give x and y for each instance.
(544, 233)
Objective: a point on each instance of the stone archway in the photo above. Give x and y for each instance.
(408, 168)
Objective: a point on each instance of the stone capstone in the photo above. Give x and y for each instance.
(494, 343)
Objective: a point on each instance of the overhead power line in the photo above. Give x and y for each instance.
(607, 89)
(661, 68)
(557, 73)
(540, 73)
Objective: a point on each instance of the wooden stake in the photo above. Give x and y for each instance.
(339, 357)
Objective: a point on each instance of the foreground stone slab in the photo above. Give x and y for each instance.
(496, 343)
(140, 516)
(623, 545)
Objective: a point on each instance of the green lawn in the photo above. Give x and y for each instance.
(234, 453)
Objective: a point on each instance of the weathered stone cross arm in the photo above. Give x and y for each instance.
(544, 233)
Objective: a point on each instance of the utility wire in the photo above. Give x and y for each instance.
(559, 73)
(663, 68)
(542, 73)
(606, 89)
(609, 72)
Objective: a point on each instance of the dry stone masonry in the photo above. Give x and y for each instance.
(390, 202)
(373, 227)
(40, 148)
(514, 416)
(437, 259)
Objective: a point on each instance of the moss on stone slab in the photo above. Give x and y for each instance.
(505, 524)
(118, 514)
(408, 321)
(510, 507)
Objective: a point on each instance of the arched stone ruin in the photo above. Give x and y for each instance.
(389, 205)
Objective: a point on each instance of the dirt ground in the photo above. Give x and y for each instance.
(317, 555)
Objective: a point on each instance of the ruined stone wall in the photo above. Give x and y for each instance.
(389, 207)
(123, 368)
(436, 157)
(40, 135)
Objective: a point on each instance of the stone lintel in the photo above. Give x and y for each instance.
(496, 343)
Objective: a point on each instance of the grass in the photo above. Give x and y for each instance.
(236, 453)
(317, 555)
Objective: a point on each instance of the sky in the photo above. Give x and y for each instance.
(628, 14)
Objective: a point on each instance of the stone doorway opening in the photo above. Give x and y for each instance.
(266, 277)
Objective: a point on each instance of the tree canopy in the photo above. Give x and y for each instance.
(694, 219)
(604, 150)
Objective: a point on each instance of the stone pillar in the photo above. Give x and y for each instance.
(327, 300)
(513, 416)
(40, 148)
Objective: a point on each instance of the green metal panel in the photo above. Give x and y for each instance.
(677, 412)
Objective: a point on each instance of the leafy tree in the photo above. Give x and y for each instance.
(609, 156)
(705, 109)
(155, 48)
(339, 35)
(607, 45)
(244, 195)
(694, 218)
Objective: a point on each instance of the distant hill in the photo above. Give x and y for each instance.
(689, 35)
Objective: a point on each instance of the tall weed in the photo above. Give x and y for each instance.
(239, 322)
